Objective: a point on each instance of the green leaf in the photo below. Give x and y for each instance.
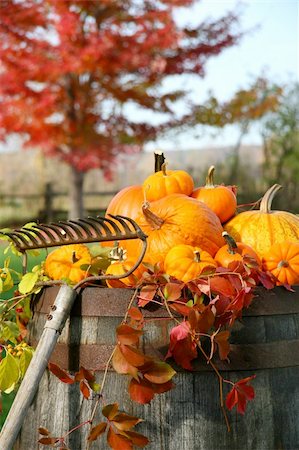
(1, 285)
(97, 250)
(25, 359)
(9, 372)
(9, 331)
(28, 282)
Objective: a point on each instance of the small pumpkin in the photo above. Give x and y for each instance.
(221, 199)
(65, 262)
(262, 228)
(234, 251)
(282, 260)
(123, 265)
(185, 262)
(173, 220)
(166, 182)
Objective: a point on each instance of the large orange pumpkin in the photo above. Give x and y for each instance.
(234, 251)
(262, 228)
(186, 263)
(172, 220)
(166, 182)
(220, 199)
(127, 202)
(282, 260)
(65, 262)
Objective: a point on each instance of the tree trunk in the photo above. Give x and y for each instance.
(76, 209)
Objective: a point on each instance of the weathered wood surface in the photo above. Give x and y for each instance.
(189, 416)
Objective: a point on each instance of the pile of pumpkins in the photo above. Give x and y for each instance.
(191, 231)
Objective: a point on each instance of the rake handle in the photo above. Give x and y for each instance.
(52, 329)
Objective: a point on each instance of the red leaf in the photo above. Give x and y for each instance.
(141, 391)
(181, 346)
(43, 431)
(133, 356)
(135, 313)
(118, 441)
(221, 339)
(63, 376)
(110, 410)
(127, 334)
(160, 388)
(96, 431)
(48, 440)
(221, 285)
(240, 394)
(146, 294)
(201, 318)
(85, 389)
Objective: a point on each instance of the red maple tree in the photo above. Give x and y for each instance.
(71, 67)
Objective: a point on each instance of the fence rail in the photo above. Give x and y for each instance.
(48, 206)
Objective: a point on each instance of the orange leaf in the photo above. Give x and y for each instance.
(43, 431)
(172, 291)
(121, 365)
(141, 391)
(96, 431)
(159, 372)
(127, 334)
(160, 388)
(146, 294)
(124, 422)
(135, 313)
(118, 441)
(110, 411)
(61, 374)
(48, 440)
(133, 356)
(85, 389)
(84, 374)
(137, 439)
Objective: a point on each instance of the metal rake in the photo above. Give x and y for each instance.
(81, 231)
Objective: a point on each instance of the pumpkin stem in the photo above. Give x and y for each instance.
(210, 178)
(159, 161)
(196, 256)
(282, 263)
(267, 199)
(74, 258)
(231, 243)
(154, 221)
(163, 168)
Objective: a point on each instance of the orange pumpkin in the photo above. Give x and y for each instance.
(65, 263)
(282, 260)
(176, 219)
(119, 268)
(186, 263)
(220, 199)
(234, 251)
(262, 228)
(166, 182)
(127, 202)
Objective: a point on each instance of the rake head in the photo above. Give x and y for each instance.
(81, 231)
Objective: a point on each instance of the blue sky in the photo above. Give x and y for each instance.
(270, 47)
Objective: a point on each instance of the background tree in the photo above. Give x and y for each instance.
(71, 68)
(281, 148)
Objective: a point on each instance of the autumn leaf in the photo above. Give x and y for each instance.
(135, 313)
(133, 356)
(110, 410)
(147, 294)
(172, 291)
(125, 422)
(84, 374)
(127, 335)
(49, 441)
(159, 372)
(121, 365)
(240, 394)
(96, 431)
(63, 376)
(136, 438)
(201, 318)
(182, 348)
(221, 340)
(85, 389)
(117, 441)
(141, 391)
(43, 431)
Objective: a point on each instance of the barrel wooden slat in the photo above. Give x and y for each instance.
(188, 417)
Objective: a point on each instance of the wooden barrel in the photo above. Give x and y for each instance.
(265, 342)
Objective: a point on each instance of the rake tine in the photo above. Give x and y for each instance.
(90, 229)
(98, 227)
(32, 239)
(47, 229)
(102, 222)
(123, 222)
(76, 227)
(67, 228)
(136, 227)
(37, 231)
(112, 223)
(17, 240)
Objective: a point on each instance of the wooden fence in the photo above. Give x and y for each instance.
(17, 208)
